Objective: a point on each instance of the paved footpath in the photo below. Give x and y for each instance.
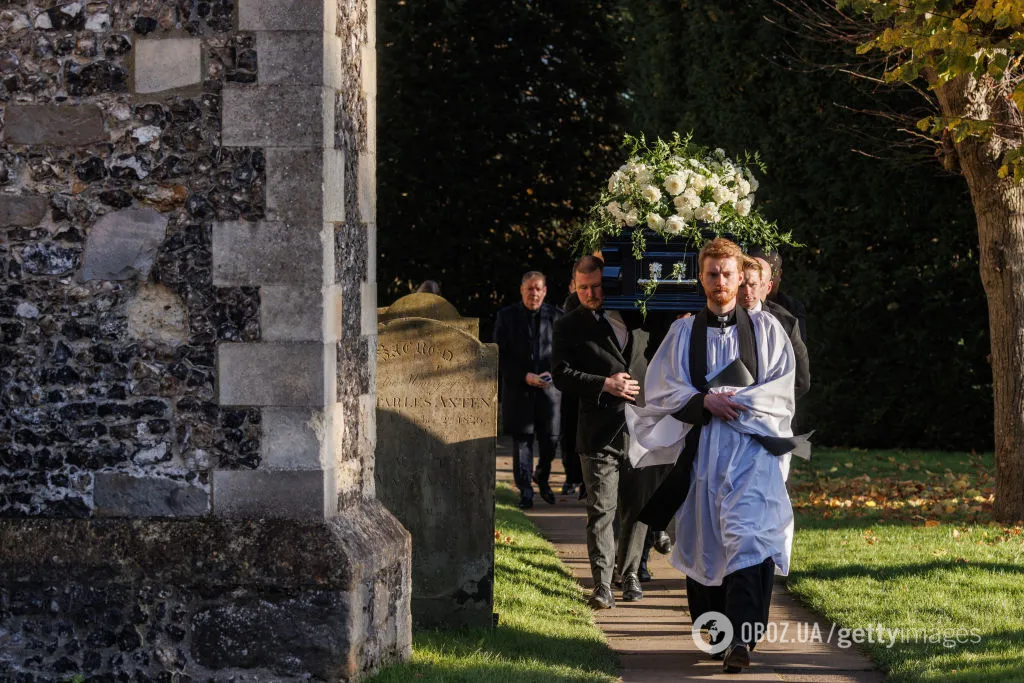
(652, 637)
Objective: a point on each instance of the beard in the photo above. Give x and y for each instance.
(723, 297)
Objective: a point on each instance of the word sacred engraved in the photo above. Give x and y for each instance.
(386, 352)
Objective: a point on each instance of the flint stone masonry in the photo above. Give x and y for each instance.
(167, 63)
(222, 377)
(70, 125)
(122, 245)
(436, 434)
(142, 597)
(22, 211)
(120, 495)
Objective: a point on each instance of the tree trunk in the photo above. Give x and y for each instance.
(999, 208)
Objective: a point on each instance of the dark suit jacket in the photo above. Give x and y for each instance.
(796, 308)
(585, 353)
(792, 328)
(525, 409)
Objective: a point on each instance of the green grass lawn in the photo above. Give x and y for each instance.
(546, 632)
(905, 540)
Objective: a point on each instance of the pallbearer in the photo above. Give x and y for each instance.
(720, 388)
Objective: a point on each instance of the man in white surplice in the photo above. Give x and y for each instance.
(734, 528)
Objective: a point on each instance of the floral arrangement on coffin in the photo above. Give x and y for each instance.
(681, 190)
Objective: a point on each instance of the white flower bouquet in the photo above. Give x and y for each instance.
(678, 189)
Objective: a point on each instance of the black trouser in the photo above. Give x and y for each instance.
(745, 596)
(614, 485)
(570, 456)
(522, 461)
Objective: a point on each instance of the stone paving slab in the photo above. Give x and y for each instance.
(652, 637)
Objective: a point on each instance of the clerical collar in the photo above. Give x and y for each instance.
(721, 321)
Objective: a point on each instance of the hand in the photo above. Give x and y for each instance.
(721, 406)
(535, 380)
(622, 386)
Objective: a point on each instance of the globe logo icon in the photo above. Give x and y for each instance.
(712, 632)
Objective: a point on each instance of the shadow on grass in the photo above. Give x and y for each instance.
(887, 573)
(814, 521)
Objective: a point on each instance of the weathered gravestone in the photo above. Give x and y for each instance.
(436, 432)
(431, 306)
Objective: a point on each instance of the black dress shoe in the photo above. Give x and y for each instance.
(545, 490)
(583, 492)
(631, 590)
(662, 542)
(547, 494)
(644, 574)
(737, 656)
(568, 489)
(602, 597)
(525, 503)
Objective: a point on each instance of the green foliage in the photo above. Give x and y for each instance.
(898, 331)
(498, 125)
(941, 40)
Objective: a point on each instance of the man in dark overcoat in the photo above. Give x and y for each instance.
(529, 399)
(600, 357)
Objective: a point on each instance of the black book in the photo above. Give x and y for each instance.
(735, 374)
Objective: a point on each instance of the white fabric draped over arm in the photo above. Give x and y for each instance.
(656, 438)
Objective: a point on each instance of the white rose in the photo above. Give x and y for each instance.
(713, 181)
(708, 212)
(753, 181)
(613, 209)
(698, 183)
(687, 200)
(614, 181)
(721, 195)
(743, 207)
(719, 152)
(655, 222)
(742, 187)
(685, 212)
(674, 225)
(631, 218)
(651, 193)
(675, 184)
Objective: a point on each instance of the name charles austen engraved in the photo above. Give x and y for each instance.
(425, 390)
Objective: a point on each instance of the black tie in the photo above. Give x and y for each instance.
(602, 321)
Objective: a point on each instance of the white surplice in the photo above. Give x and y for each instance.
(737, 512)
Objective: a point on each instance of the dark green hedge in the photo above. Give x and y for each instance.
(897, 318)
